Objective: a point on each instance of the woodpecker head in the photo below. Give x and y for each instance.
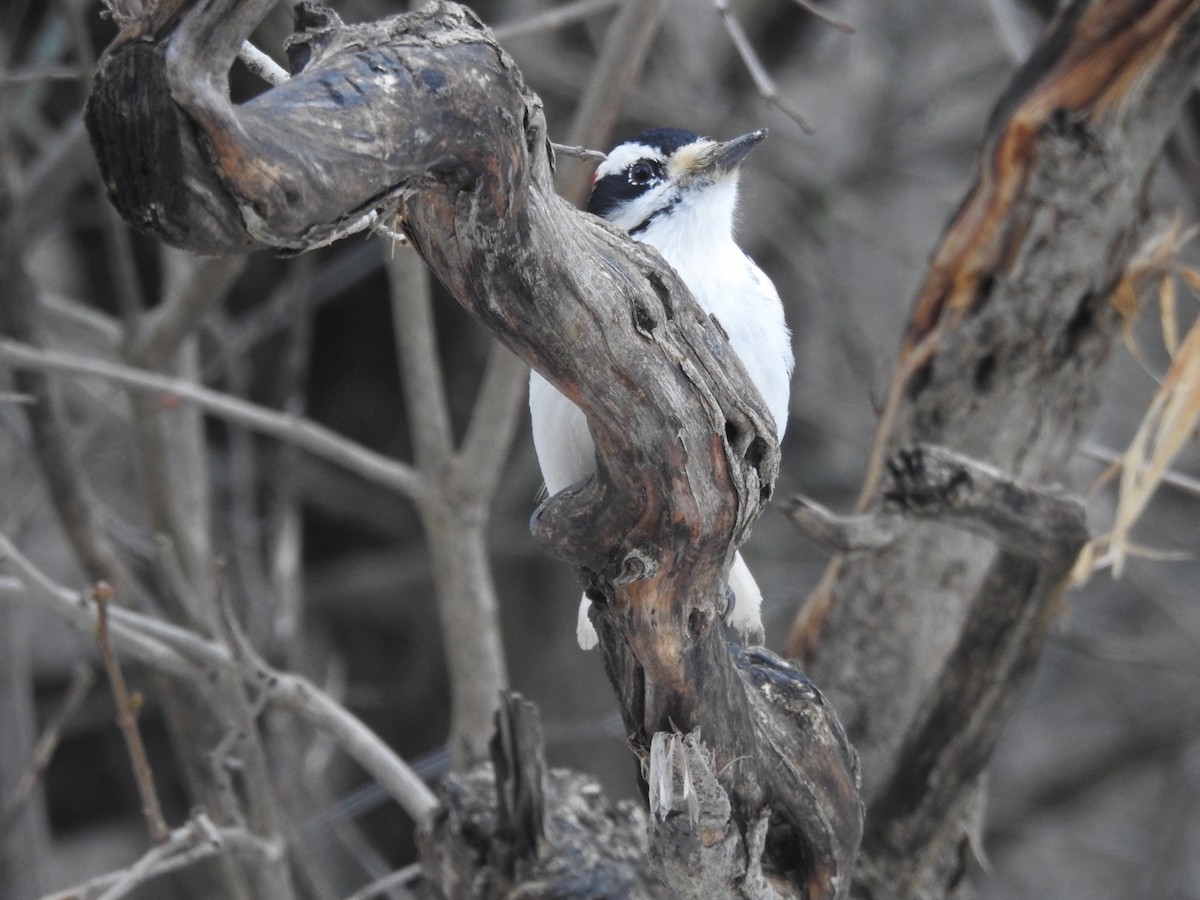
(670, 179)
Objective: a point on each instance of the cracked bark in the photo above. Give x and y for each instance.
(421, 118)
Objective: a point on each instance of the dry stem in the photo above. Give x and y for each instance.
(127, 707)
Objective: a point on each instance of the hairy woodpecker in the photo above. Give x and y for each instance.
(677, 191)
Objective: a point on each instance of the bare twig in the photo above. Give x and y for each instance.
(558, 17)
(305, 699)
(69, 489)
(767, 89)
(424, 384)
(284, 540)
(82, 680)
(262, 65)
(813, 10)
(127, 707)
(197, 840)
(1185, 484)
(453, 517)
(579, 152)
(124, 11)
(196, 287)
(58, 72)
(389, 882)
(179, 651)
(301, 432)
(135, 633)
(484, 451)
(25, 837)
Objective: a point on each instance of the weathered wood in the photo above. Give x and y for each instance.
(423, 120)
(1001, 362)
(515, 829)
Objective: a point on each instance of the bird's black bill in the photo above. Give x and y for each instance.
(728, 156)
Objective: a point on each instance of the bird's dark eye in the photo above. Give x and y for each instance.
(641, 173)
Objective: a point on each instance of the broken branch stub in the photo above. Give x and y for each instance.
(423, 119)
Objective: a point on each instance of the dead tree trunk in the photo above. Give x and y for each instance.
(422, 120)
(924, 635)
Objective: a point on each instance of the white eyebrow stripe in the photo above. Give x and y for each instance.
(625, 156)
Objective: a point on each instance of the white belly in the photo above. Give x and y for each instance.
(750, 313)
(560, 436)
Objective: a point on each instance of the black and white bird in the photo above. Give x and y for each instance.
(678, 192)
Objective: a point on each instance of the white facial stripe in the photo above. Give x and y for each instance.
(625, 156)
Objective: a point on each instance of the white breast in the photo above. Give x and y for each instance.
(726, 284)
(731, 288)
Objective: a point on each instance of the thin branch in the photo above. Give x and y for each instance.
(82, 680)
(304, 698)
(181, 652)
(480, 459)
(558, 17)
(813, 10)
(420, 368)
(579, 152)
(1186, 484)
(452, 518)
(25, 834)
(763, 82)
(63, 311)
(127, 708)
(173, 454)
(69, 490)
(392, 880)
(262, 65)
(145, 868)
(302, 432)
(52, 72)
(197, 285)
(285, 536)
(195, 841)
(134, 632)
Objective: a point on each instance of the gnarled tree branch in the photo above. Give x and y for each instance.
(425, 119)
